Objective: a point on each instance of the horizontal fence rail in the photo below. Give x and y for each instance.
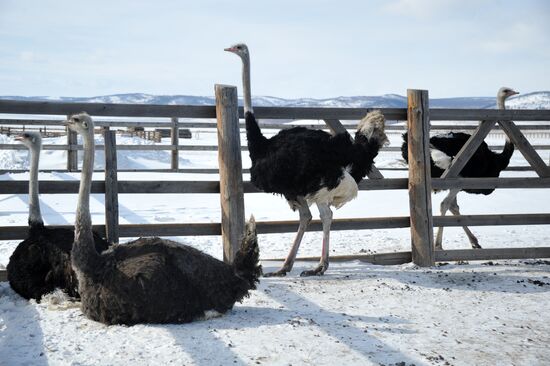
(192, 147)
(440, 256)
(215, 170)
(277, 227)
(163, 187)
(185, 111)
(460, 125)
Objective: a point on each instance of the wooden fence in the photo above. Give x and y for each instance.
(232, 189)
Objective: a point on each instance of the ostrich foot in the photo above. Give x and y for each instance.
(280, 273)
(319, 271)
(475, 245)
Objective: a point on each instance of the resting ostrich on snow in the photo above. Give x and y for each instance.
(42, 262)
(484, 163)
(151, 280)
(309, 166)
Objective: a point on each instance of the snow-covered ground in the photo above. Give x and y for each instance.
(490, 313)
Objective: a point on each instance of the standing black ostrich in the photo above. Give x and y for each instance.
(42, 262)
(484, 163)
(309, 166)
(152, 280)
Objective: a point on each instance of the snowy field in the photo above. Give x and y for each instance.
(478, 313)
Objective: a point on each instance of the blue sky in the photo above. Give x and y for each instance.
(299, 48)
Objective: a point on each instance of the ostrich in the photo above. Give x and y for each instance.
(42, 262)
(309, 166)
(484, 163)
(152, 280)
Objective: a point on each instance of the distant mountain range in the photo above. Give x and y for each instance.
(535, 100)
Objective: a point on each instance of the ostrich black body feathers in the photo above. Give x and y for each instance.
(42, 262)
(484, 163)
(299, 161)
(153, 280)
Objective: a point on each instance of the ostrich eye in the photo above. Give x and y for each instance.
(85, 124)
(76, 119)
(26, 135)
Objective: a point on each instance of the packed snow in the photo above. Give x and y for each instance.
(478, 313)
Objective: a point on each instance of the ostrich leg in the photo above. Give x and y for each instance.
(326, 218)
(444, 207)
(305, 219)
(456, 211)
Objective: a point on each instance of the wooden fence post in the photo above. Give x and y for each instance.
(230, 165)
(420, 182)
(111, 186)
(72, 152)
(175, 135)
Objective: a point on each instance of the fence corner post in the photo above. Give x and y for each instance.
(230, 166)
(111, 186)
(420, 182)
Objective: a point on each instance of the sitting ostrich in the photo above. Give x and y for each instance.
(309, 166)
(151, 280)
(484, 163)
(42, 262)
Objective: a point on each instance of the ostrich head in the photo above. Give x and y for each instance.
(30, 139)
(81, 123)
(240, 49)
(503, 94)
(506, 92)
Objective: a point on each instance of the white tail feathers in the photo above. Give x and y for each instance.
(372, 126)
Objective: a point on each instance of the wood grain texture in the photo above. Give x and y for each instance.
(272, 227)
(420, 201)
(72, 154)
(525, 148)
(111, 187)
(230, 165)
(174, 140)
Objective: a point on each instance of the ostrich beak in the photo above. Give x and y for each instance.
(515, 92)
(18, 138)
(68, 123)
(229, 49)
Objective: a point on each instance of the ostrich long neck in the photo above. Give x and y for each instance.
(501, 102)
(35, 217)
(84, 254)
(508, 150)
(247, 94)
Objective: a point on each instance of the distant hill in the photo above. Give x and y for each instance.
(535, 100)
